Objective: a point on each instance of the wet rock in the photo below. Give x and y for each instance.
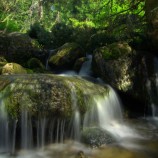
(96, 137)
(18, 47)
(66, 56)
(47, 95)
(129, 72)
(112, 63)
(13, 68)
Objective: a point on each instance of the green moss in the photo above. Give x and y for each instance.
(13, 68)
(47, 95)
(67, 53)
(35, 63)
(115, 50)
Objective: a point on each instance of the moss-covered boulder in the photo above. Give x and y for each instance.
(47, 95)
(13, 68)
(129, 72)
(112, 63)
(36, 65)
(66, 56)
(18, 47)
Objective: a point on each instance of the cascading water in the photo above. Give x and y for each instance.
(153, 93)
(155, 107)
(86, 67)
(4, 133)
(7, 129)
(103, 111)
(49, 55)
(76, 115)
(106, 114)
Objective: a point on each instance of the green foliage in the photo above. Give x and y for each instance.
(54, 23)
(40, 34)
(115, 50)
(61, 33)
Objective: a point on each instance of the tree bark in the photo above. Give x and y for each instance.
(151, 9)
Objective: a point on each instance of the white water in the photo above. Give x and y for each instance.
(107, 114)
(26, 130)
(86, 67)
(7, 133)
(49, 55)
(85, 70)
(76, 120)
(155, 107)
(149, 88)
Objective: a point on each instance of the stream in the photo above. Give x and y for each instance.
(125, 138)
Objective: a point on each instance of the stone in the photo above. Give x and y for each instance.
(13, 68)
(47, 94)
(66, 56)
(96, 137)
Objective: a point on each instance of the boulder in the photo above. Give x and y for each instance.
(47, 95)
(18, 47)
(112, 63)
(13, 68)
(36, 65)
(96, 137)
(66, 56)
(130, 73)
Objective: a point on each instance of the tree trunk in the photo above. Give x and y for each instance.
(151, 9)
(40, 9)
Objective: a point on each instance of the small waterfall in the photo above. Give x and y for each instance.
(75, 132)
(7, 129)
(152, 87)
(41, 132)
(86, 67)
(107, 114)
(102, 109)
(26, 129)
(49, 55)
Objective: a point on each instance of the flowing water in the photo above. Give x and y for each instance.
(132, 138)
(86, 67)
(153, 93)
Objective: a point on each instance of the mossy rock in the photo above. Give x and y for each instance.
(115, 50)
(18, 47)
(34, 63)
(66, 56)
(96, 137)
(13, 68)
(47, 95)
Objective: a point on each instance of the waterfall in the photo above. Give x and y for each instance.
(87, 104)
(7, 129)
(106, 114)
(26, 129)
(152, 87)
(155, 107)
(86, 67)
(49, 55)
(75, 122)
